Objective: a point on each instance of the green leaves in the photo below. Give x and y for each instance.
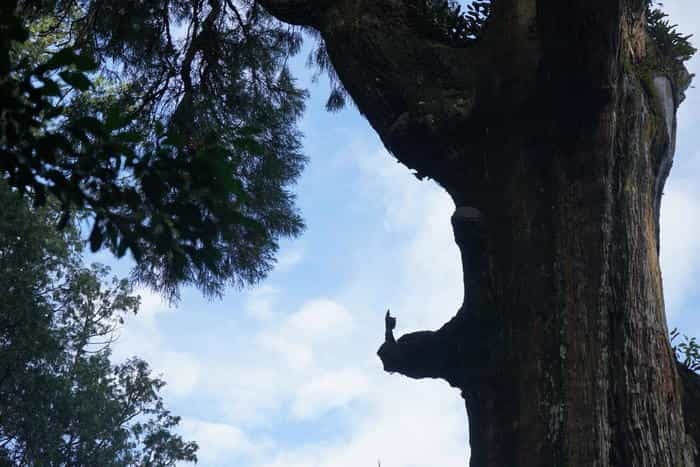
(61, 397)
(336, 100)
(675, 47)
(189, 172)
(687, 351)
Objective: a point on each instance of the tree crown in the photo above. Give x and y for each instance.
(171, 124)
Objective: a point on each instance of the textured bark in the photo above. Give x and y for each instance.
(554, 137)
(691, 404)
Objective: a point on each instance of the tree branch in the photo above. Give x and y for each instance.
(450, 352)
(413, 89)
(426, 354)
(448, 112)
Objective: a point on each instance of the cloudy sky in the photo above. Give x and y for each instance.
(285, 374)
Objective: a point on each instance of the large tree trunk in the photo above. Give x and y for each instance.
(554, 135)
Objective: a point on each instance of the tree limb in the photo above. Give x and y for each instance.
(426, 354)
(413, 89)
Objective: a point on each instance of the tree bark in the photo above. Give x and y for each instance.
(554, 134)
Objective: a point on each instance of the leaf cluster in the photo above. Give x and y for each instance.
(318, 58)
(169, 125)
(445, 21)
(687, 351)
(62, 402)
(672, 44)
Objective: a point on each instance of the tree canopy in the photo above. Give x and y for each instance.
(170, 125)
(62, 402)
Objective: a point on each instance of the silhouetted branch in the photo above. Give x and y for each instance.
(425, 354)
(419, 86)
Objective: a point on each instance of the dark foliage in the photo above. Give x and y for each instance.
(445, 20)
(171, 123)
(687, 350)
(318, 58)
(62, 402)
(673, 45)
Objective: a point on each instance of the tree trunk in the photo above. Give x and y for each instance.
(554, 134)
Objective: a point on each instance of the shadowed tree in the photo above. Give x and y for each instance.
(551, 124)
(62, 402)
(169, 126)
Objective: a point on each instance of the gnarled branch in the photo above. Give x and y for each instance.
(427, 354)
(413, 89)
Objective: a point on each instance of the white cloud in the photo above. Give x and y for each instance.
(264, 372)
(402, 422)
(261, 302)
(328, 391)
(297, 355)
(317, 321)
(390, 185)
(288, 258)
(152, 304)
(219, 443)
(680, 242)
(180, 370)
(320, 319)
(407, 424)
(425, 268)
(142, 336)
(250, 394)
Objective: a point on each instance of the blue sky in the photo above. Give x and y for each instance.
(285, 374)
